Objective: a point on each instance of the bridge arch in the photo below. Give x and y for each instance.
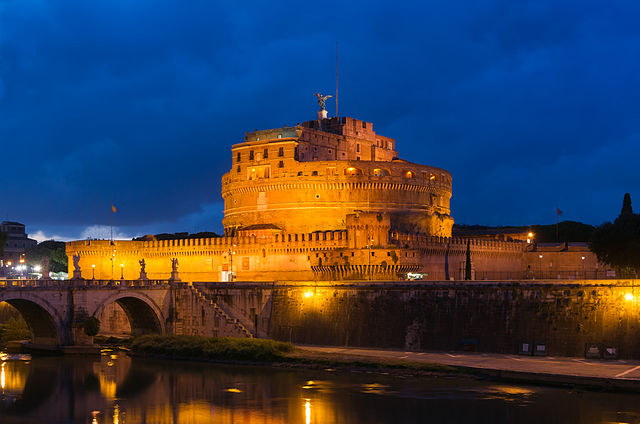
(142, 311)
(42, 318)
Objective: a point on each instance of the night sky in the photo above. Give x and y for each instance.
(528, 104)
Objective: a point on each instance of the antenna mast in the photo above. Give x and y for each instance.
(337, 79)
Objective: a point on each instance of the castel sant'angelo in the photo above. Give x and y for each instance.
(327, 199)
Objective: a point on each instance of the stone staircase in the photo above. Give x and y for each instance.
(244, 331)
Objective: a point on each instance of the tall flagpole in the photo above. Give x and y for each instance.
(557, 209)
(111, 222)
(337, 79)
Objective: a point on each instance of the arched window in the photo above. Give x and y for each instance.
(352, 171)
(381, 172)
(409, 174)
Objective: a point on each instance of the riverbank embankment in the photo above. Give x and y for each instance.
(556, 371)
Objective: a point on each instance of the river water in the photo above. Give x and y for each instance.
(116, 389)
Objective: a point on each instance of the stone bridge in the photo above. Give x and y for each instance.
(55, 310)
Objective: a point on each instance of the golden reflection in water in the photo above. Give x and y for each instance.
(307, 412)
(13, 376)
(116, 414)
(107, 387)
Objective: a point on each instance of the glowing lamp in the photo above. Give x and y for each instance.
(628, 296)
(308, 293)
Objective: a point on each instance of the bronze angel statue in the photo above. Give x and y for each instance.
(322, 99)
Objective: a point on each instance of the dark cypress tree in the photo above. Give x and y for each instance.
(467, 267)
(626, 204)
(618, 243)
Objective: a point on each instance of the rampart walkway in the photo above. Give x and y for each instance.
(616, 374)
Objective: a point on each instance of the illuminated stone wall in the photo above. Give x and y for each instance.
(485, 317)
(264, 255)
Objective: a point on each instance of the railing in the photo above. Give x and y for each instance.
(65, 284)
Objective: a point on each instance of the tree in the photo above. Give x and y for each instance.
(626, 205)
(467, 267)
(54, 250)
(618, 243)
(3, 240)
(91, 326)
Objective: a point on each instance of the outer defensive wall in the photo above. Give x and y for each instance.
(489, 316)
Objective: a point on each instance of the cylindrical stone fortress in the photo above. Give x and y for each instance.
(310, 177)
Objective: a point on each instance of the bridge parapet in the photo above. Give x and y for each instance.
(95, 284)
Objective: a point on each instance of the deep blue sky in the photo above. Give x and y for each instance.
(528, 104)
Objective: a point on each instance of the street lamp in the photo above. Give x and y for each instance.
(122, 271)
(93, 272)
(370, 245)
(583, 273)
(540, 265)
(231, 253)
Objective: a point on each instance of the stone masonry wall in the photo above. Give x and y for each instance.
(487, 317)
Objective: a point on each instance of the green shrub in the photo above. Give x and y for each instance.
(218, 348)
(91, 326)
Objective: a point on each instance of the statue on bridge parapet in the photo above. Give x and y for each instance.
(77, 272)
(174, 270)
(45, 269)
(143, 272)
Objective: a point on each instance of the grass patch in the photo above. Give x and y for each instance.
(214, 348)
(111, 341)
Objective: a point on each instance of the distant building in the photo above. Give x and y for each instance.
(568, 260)
(17, 241)
(493, 233)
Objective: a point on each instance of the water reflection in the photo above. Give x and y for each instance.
(115, 389)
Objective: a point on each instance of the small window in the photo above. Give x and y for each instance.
(238, 168)
(358, 147)
(299, 173)
(281, 164)
(250, 154)
(238, 156)
(314, 173)
(265, 154)
(281, 151)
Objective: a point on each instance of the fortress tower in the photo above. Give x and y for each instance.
(310, 177)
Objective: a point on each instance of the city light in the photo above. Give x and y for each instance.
(628, 296)
(308, 293)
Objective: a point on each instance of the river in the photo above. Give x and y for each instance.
(116, 389)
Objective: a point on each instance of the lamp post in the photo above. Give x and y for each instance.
(540, 265)
(370, 245)
(93, 272)
(231, 253)
(122, 271)
(583, 273)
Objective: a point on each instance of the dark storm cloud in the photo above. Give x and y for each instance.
(528, 104)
